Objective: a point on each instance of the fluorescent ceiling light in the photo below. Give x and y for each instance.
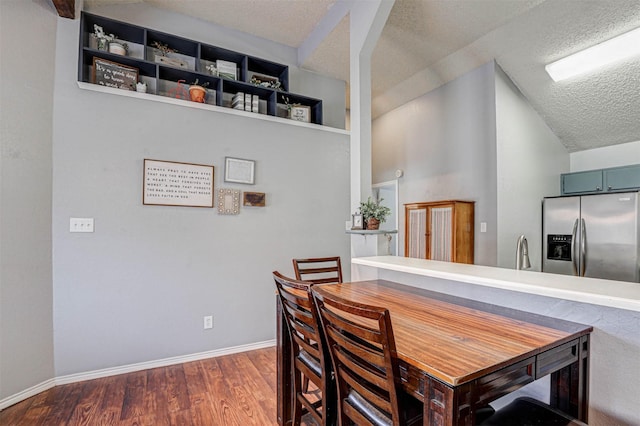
(607, 52)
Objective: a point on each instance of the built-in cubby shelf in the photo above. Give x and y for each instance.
(170, 75)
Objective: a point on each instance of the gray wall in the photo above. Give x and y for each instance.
(137, 289)
(530, 158)
(26, 87)
(445, 143)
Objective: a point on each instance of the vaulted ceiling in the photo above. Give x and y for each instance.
(427, 43)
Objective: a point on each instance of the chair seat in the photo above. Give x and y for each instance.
(310, 362)
(526, 411)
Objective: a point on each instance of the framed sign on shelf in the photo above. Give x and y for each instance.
(171, 183)
(112, 74)
(301, 113)
(238, 170)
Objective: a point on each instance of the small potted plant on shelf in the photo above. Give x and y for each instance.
(118, 47)
(198, 91)
(373, 213)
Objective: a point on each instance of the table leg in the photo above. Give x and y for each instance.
(570, 385)
(283, 346)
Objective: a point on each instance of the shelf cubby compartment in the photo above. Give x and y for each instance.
(209, 55)
(186, 51)
(266, 68)
(315, 105)
(130, 34)
(267, 96)
(174, 83)
(146, 71)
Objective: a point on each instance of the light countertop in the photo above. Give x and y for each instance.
(616, 294)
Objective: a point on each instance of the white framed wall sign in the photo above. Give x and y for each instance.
(238, 170)
(171, 183)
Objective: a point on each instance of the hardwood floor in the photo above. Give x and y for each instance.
(230, 390)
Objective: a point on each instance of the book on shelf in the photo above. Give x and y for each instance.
(227, 69)
(255, 103)
(237, 102)
(247, 102)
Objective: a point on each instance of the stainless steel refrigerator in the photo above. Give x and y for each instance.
(594, 236)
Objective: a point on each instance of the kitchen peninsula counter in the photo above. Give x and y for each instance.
(615, 294)
(611, 307)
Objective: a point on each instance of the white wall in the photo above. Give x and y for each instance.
(530, 160)
(26, 84)
(137, 289)
(601, 158)
(445, 143)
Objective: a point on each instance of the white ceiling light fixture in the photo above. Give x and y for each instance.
(621, 47)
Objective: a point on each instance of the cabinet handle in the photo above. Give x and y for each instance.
(598, 188)
(609, 188)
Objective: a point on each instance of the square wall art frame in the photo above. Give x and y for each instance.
(239, 170)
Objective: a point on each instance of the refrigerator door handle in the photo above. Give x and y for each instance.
(574, 258)
(583, 248)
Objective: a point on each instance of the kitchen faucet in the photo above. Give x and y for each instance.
(522, 254)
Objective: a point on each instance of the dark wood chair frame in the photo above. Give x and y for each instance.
(310, 360)
(318, 270)
(365, 362)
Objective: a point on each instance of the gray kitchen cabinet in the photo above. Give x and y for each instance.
(581, 182)
(613, 179)
(622, 178)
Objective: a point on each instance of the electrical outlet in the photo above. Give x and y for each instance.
(208, 322)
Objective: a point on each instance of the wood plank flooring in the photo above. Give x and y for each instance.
(238, 389)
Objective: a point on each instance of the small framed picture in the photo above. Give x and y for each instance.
(238, 170)
(253, 199)
(228, 201)
(301, 113)
(357, 222)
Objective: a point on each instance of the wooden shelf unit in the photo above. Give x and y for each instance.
(440, 230)
(162, 78)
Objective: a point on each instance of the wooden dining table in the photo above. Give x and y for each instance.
(457, 355)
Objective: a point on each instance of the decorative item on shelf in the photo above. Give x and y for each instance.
(163, 48)
(197, 91)
(212, 70)
(141, 87)
(237, 102)
(164, 58)
(373, 213)
(228, 201)
(297, 112)
(227, 69)
(357, 222)
(266, 81)
(102, 39)
(118, 47)
(179, 92)
(112, 74)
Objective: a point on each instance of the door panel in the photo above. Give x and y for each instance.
(559, 217)
(611, 230)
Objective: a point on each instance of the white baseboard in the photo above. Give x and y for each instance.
(27, 393)
(106, 372)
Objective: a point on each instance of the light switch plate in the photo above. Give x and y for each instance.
(81, 224)
(483, 226)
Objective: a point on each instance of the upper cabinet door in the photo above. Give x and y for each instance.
(622, 178)
(582, 182)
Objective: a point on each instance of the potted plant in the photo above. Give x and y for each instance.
(197, 91)
(373, 213)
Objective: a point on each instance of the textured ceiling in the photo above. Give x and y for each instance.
(427, 43)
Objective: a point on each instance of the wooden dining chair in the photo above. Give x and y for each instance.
(363, 352)
(318, 270)
(309, 358)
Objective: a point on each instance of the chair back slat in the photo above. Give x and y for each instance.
(362, 347)
(318, 270)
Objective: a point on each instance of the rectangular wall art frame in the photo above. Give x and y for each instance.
(238, 170)
(170, 183)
